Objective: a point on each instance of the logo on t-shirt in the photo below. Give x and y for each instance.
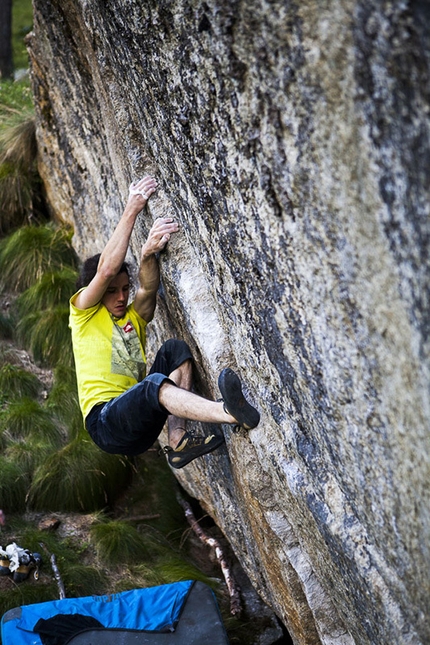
(128, 327)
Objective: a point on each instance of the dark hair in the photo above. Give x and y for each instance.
(89, 270)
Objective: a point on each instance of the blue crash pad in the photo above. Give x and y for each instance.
(182, 613)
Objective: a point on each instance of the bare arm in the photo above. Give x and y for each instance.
(115, 250)
(149, 272)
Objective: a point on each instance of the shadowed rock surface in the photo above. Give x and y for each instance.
(291, 142)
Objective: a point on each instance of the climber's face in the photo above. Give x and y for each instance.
(116, 295)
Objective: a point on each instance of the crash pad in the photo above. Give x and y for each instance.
(183, 613)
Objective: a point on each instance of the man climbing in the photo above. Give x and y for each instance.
(125, 410)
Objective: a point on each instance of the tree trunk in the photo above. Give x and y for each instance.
(6, 60)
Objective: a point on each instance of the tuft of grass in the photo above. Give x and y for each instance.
(83, 580)
(27, 418)
(171, 568)
(13, 486)
(21, 198)
(18, 141)
(16, 99)
(31, 251)
(28, 593)
(117, 542)
(79, 477)
(63, 400)
(46, 335)
(53, 289)
(16, 382)
(28, 455)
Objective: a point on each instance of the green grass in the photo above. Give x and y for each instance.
(21, 199)
(79, 477)
(16, 99)
(32, 251)
(28, 455)
(26, 418)
(16, 382)
(53, 288)
(80, 579)
(18, 140)
(117, 542)
(47, 337)
(159, 486)
(13, 486)
(171, 567)
(63, 400)
(26, 594)
(84, 580)
(22, 22)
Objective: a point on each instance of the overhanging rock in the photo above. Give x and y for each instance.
(291, 142)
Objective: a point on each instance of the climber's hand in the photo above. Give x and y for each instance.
(141, 191)
(159, 235)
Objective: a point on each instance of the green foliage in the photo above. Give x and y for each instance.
(20, 186)
(118, 542)
(47, 336)
(160, 486)
(79, 477)
(22, 22)
(63, 399)
(32, 251)
(79, 579)
(26, 418)
(13, 486)
(83, 580)
(15, 99)
(29, 454)
(18, 141)
(16, 382)
(53, 288)
(14, 595)
(170, 568)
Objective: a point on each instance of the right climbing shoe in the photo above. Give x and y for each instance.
(235, 403)
(190, 447)
(27, 562)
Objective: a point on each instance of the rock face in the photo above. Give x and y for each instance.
(291, 142)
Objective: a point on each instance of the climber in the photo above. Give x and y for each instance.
(124, 409)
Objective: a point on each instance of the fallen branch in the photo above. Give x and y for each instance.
(57, 576)
(141, 518)
(232, 586)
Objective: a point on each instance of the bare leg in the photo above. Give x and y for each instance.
(183, 377)
(183, 404)
(187, 405)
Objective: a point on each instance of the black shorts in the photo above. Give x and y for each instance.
(130, 423)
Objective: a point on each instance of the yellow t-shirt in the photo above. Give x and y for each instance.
(109, 352)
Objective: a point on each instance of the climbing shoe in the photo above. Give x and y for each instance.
(27, 562)
(4, 566)
(190, 447)
(235, 403)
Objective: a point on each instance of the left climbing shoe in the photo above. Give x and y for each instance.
(4, 566)
(235, 403)
(190, 447)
